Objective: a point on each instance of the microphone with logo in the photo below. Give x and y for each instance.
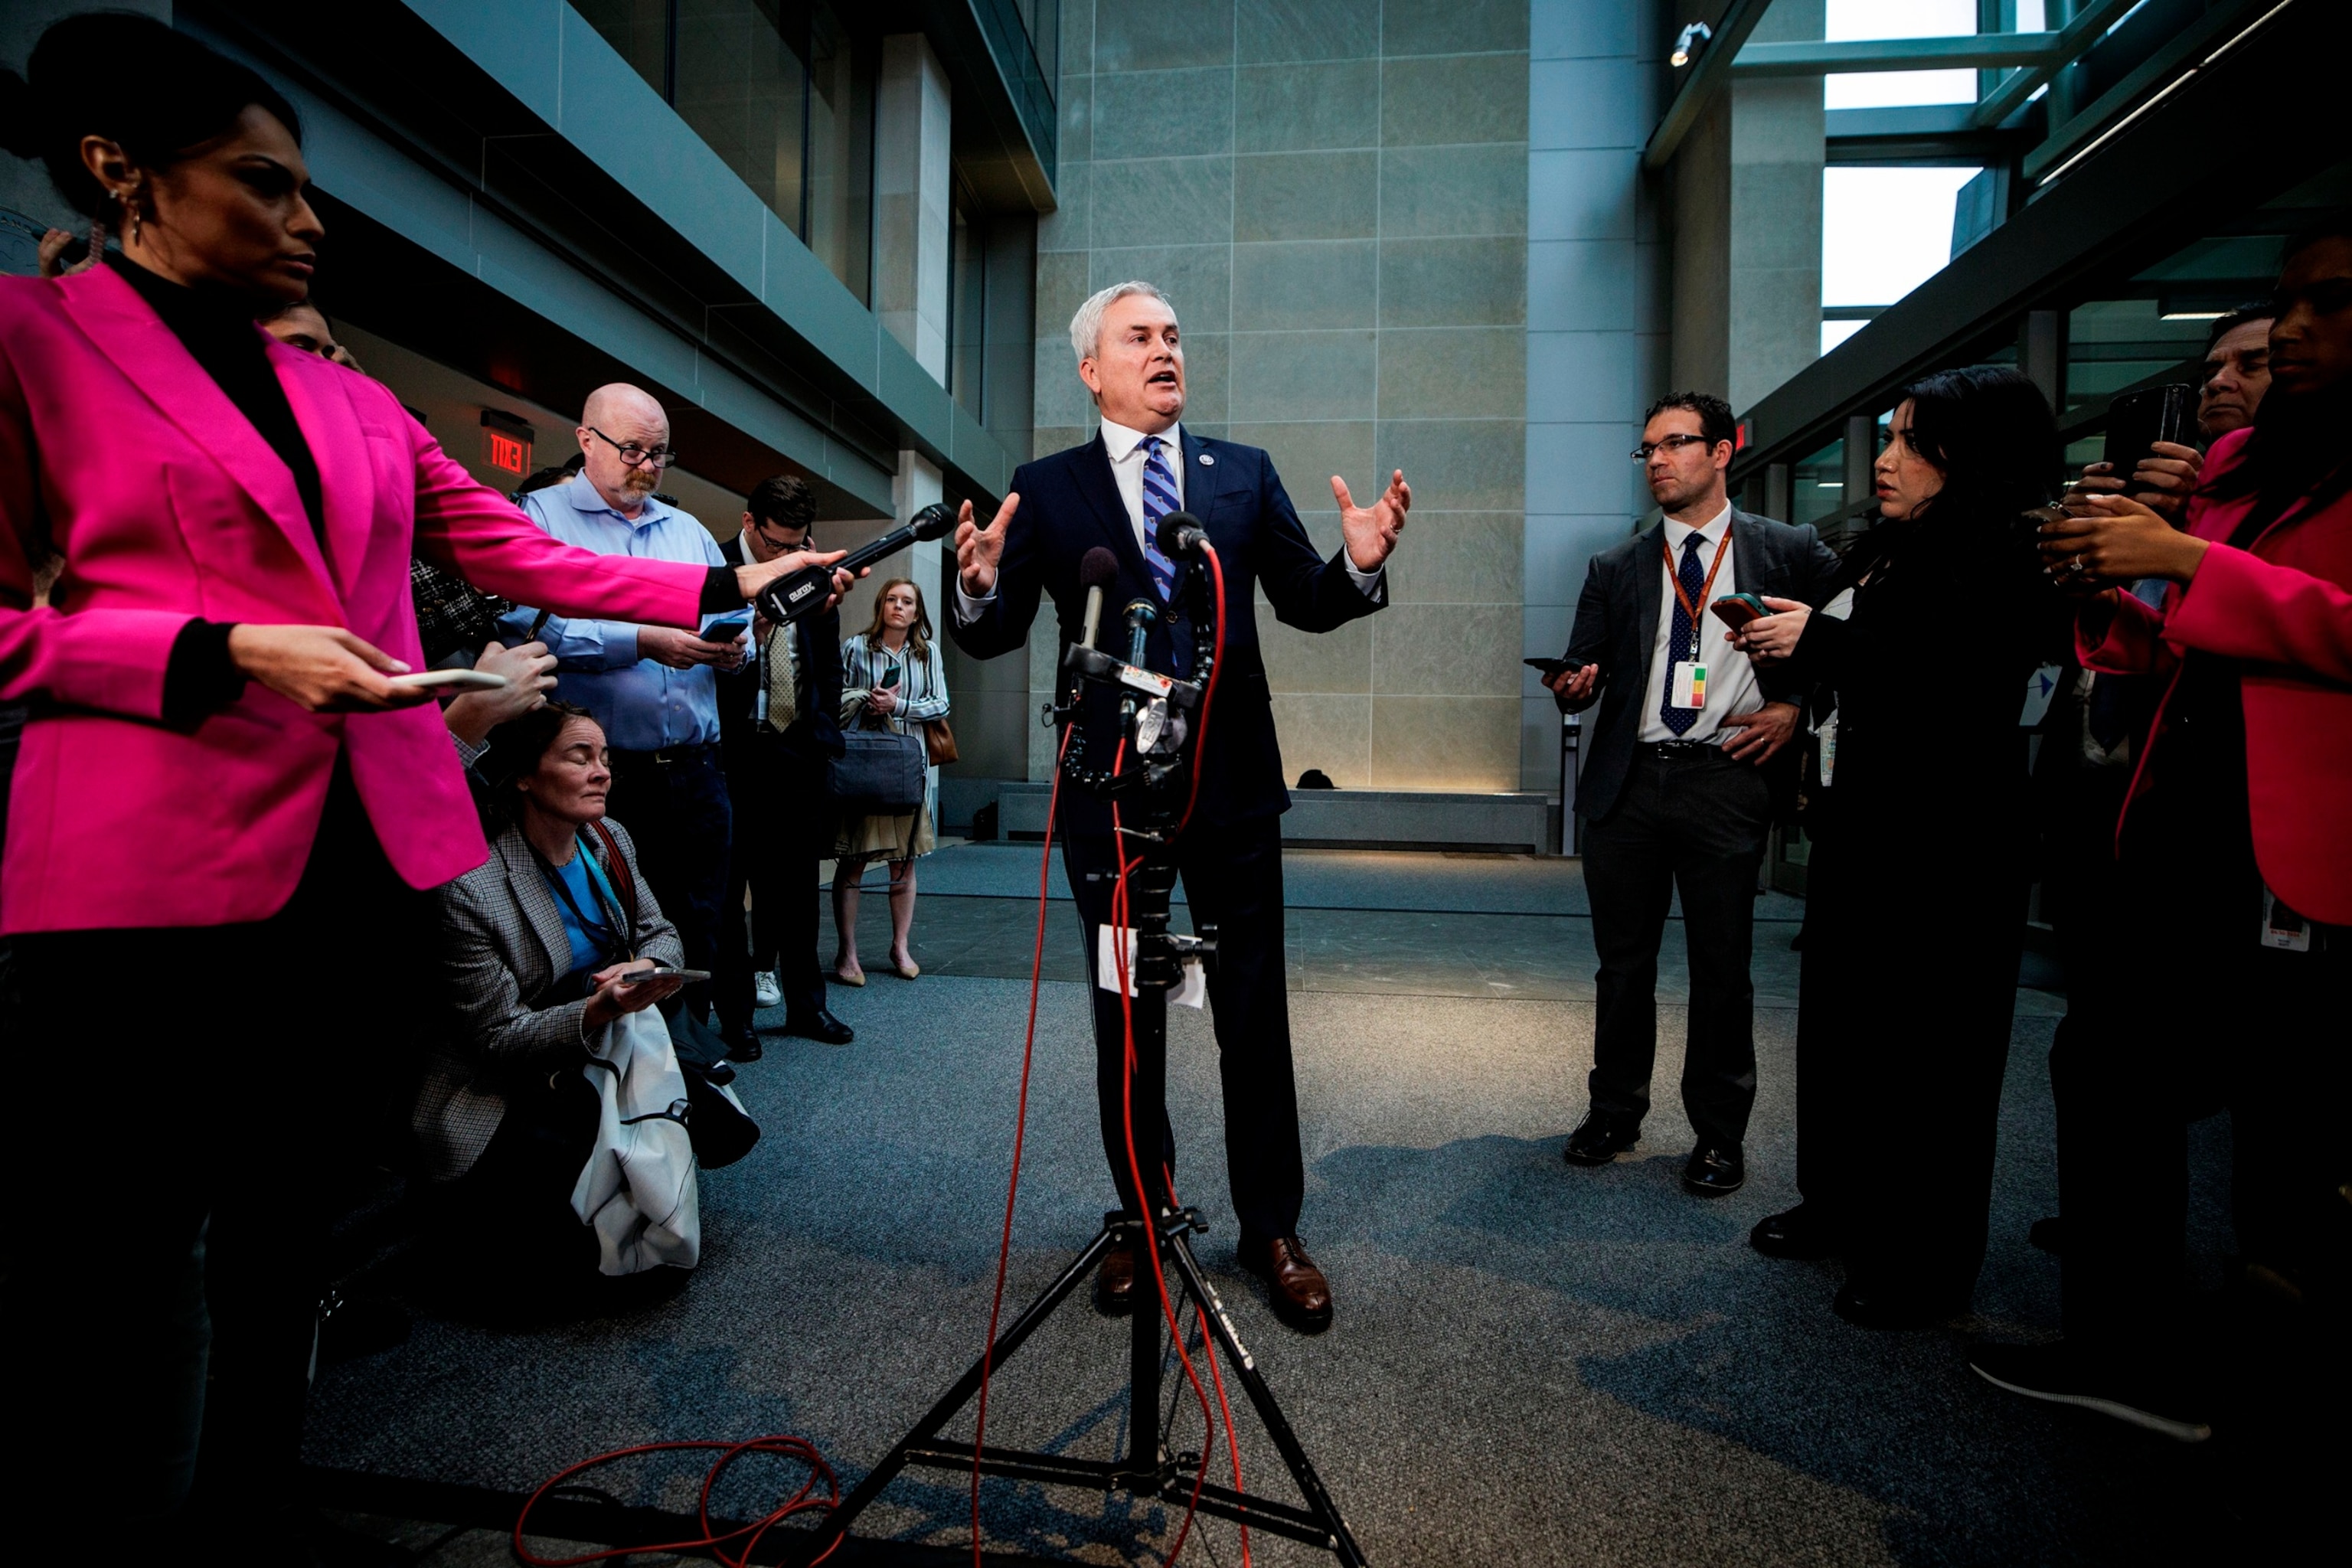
(803, 593)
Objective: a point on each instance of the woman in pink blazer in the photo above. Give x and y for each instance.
(225, 814)
(2228, 953)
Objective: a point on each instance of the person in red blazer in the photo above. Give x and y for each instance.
(224, 816)
(2229, 947)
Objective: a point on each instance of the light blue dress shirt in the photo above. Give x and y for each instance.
(643, 706)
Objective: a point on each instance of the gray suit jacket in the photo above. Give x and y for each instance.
(503, 948)
(1617, 627)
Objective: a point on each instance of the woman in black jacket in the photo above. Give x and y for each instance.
(1917, 885)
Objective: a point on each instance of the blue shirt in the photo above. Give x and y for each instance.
(643, 706)
(585, 951)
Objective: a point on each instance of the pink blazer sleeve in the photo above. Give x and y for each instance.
(2131, 643)
(2249, 609)
(467, 527)
(105, 658)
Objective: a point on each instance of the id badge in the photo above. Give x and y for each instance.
(1688, 687)
(2282, 928)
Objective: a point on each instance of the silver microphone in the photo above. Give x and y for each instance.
(1097, 570)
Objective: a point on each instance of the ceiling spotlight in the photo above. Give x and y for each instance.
(1688, 47)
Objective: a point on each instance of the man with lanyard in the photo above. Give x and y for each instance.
(651, 688)
(780, 719)
(1674, 792)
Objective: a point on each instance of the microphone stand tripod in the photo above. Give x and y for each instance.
(1153, 711)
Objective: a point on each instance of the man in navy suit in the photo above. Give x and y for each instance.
(1112, 493)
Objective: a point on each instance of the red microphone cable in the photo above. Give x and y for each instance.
(1209, 1351)
(1020, 1129)
(713, 1542)
(1216, 673)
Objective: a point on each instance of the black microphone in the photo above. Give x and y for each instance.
(1097, 570)
(1181, 536)
(788, 599)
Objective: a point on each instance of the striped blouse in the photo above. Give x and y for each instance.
(922, 682)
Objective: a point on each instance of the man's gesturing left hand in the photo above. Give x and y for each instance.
(1761, 734)
(1372, 533)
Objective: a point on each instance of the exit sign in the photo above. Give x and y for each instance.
(506, 443)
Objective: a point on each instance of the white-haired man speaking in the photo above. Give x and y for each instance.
(1112, 493)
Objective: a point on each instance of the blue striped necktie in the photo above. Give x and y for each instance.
(1682, 642)
(1159, 499)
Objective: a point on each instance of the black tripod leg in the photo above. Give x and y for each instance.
(1143, 1375)
(836, 1524)
(1277, 1426)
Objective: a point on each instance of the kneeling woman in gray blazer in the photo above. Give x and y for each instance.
(534, 942)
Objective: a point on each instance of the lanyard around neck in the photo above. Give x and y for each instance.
(1673, 576)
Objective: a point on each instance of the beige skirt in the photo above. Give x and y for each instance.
(901, 837)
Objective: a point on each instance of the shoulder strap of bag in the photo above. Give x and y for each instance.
(624, 885)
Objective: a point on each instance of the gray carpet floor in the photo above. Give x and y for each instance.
(1530, 1364)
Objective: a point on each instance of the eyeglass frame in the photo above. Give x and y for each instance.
(660, 456)
(1672, 442)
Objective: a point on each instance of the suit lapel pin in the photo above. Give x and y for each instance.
(1207, 461)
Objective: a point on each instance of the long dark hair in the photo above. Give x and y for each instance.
(157, 93)
(1990, 432)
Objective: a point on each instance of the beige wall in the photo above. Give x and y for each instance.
(1335, 195)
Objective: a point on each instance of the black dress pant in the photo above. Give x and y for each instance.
(1694, 822)
(1233, 879)
(234, 1080)
(674, 804)
(784, 827)
(2176, 996)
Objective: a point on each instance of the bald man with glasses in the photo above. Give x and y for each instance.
(653, 688)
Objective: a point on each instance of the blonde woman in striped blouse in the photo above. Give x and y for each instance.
(891, 678)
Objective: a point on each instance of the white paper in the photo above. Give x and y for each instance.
(1193, 992)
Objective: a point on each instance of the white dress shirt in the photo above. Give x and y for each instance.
(1731, 685)
(1127, 455)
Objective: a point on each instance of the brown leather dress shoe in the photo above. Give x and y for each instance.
(1300, 1296)
(1114, 1282)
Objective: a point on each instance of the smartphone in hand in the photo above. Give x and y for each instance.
(690, 976)
(1553, 666)
(1735, 610)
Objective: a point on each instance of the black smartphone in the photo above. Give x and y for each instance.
(2138, 420)
(1552, 665)
(889, 678)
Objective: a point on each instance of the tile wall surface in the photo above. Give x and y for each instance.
(1335, 194)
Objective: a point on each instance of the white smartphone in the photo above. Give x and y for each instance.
(450, 680)
(692, 977)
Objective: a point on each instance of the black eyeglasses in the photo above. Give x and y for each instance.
(1640, 454)
(634, 456)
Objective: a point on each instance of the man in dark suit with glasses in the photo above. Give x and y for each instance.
(1674, 794)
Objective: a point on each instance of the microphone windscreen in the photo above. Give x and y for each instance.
(932, 522)
(1179, 536)
(1098, 568)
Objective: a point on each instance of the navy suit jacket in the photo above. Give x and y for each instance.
(1617, 627)
(1070, 504)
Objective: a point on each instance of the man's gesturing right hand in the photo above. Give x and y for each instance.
(978, 550)
(1574, 686)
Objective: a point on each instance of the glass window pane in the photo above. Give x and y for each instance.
(967, 310)
(1898, 19)
(2111, 343)
(742, 87)
(841, 153)
(638, 30)
(1817, 485)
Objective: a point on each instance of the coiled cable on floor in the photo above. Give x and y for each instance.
(712, 1540)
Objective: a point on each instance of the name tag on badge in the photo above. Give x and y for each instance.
(2282, 928)
(1688, 687)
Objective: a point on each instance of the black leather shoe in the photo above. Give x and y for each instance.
(743, 1048)
(823, 1026)
(1796, 1233)
(1599, 1138)
(1114, 1282)
(1714, 1171)
(1869, 1306)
